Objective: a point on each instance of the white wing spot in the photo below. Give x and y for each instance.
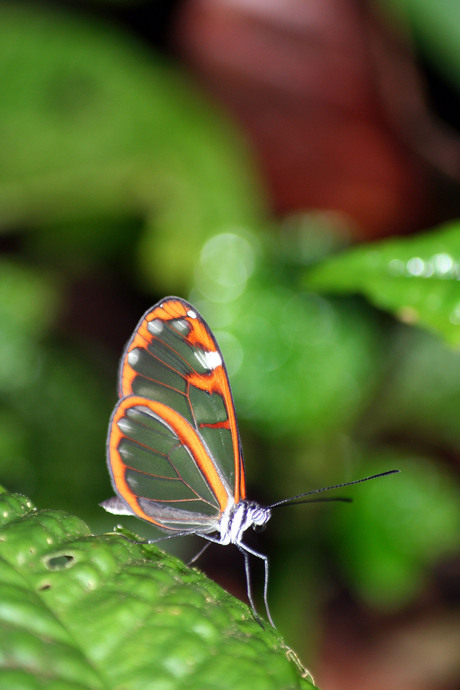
(146, 410)
(124, 425)
(181, 325)
(191, 314)
(155, 326)
(133, 357)
(209, 360)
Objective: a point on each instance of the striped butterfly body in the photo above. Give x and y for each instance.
(173, 447)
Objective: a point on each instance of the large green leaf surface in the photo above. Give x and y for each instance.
(80, 612)
(417, 278)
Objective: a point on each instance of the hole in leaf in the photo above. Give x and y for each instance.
(60, 561)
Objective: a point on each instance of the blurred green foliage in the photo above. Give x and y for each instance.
(277, 337)
(388, 561)
(96, 131)
(434, 26)
(113, 167)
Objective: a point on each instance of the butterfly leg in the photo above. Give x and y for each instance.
(169, 536)
(245, 550)
(200, 552)
(242, 550)
(172, 536)
(147, 541)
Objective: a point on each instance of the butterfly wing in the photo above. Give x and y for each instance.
(173, 449)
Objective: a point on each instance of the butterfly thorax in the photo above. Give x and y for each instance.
(238, 517)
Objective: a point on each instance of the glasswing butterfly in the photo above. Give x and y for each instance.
(173, 448)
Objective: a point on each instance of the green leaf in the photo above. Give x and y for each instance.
(80, 612)
(417, 279)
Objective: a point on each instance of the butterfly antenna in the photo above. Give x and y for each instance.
(295, 499)
(293, 502)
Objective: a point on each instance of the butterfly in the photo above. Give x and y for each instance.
(173, 449)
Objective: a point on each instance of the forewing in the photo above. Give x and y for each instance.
(161, 468)
(173, 358)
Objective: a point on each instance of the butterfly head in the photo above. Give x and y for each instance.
(258, 516)
(239, 517)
